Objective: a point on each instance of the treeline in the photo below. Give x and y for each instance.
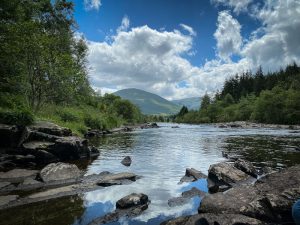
(266, 98)
(43, 71)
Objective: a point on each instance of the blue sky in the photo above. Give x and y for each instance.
(184, 48)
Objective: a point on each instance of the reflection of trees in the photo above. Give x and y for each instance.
(62, 211)
(262, 150)
(123, 141)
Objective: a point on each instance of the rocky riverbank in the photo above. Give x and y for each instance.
(238, 197)
(246, 124)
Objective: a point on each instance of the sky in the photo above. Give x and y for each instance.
(185, 48)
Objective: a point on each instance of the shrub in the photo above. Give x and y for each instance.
(16, 117)
(94, 122)
(68, 116)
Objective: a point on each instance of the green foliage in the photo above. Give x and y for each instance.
(19, 117)
(94, 122)
(43, 70)
(271, 98)
(67, 116)
(205, 102)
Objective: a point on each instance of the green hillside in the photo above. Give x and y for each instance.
(148, 103)
(190, 103)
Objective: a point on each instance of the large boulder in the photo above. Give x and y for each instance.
(129, 206)
(17, 175)
(50, 128)
(60, 171)
(213, 219)
(70, 148)
(225, 174)
(132, 200)
(270, 199)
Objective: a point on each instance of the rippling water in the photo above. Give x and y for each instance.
(161, 156)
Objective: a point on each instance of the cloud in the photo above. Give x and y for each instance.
(279, 41)
(124, 24)
(228, 35)
(154, 61)
(188, 29)
(237, 5)
(92, 4)
(157, 60)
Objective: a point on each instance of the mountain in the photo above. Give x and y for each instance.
(149, 103)
(190, 103)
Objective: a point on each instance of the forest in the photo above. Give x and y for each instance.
(266, 98)
(44, 72)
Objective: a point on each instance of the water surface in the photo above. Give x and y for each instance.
(161, 156)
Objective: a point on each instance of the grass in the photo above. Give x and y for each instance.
(79, 118)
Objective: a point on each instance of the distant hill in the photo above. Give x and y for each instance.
(149, 103)
(190, 103)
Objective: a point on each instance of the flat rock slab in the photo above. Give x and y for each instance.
(18, 175)
(50, 128)
(4, 200)
(37, 145)
(213, 219)
(4, 184)
(61, 188)
(132, 200)
(60, 171)
(117, 179)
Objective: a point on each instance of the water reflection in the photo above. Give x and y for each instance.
(59, 212)
(161, 157)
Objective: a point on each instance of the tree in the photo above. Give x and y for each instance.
(205, 102)
(184, 110)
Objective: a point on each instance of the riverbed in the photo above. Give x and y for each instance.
(160, 156)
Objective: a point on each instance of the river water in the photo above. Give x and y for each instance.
(160, 156)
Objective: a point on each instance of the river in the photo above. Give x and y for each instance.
(160, 156)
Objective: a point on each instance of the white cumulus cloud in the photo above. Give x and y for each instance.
(228, 35)
(92, 4)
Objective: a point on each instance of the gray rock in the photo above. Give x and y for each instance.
(126, 161)
(5, 200)
(17, 175)
(30, 181)
(192, 174)
(50, 128)
(185, 197)
(226, 174)
(12, 136)
(34, 146)
(132, 200)
(4, 184)
(70, 148)
(246, 166)
(269, 199)
(60, 171)
(214, 219)
(129, 206)
(117, 179)
(44, 157)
